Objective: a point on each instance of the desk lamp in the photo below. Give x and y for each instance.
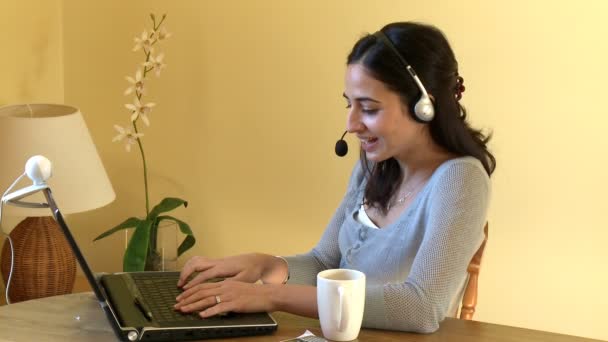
(43, 262)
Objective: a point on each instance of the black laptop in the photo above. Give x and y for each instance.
(139, 305)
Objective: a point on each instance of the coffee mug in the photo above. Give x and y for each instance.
(341, 299)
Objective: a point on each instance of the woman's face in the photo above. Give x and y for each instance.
(377, 116)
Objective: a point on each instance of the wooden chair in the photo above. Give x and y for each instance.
(469, 299)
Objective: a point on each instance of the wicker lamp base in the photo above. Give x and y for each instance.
(44, 264)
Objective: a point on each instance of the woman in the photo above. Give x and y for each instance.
(415, 207)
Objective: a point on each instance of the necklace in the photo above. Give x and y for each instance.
(399, 200)
(405, 196)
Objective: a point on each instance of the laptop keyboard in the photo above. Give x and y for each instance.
(159, 290)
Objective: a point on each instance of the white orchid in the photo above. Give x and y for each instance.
(137, 83)
(140, 110)
(156, 63)
(128, 134)
(146, 243)
(145, 41)
(162, 34)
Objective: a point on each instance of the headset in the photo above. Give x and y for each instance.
(423, 111)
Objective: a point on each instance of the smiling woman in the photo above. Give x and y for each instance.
(413, 214)
(395, 106)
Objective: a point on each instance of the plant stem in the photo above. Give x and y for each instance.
(143, 158)
(152, 244)
(141, 148)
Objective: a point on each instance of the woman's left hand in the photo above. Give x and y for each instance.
(225, 296)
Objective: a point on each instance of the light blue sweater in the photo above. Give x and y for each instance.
(416, 266)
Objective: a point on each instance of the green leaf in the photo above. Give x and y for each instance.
(137, 250)
(189, 240)
(165, 205)
(128, 223)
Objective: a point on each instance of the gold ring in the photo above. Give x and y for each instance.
(218, 300)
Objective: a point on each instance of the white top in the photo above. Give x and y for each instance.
(362, 218)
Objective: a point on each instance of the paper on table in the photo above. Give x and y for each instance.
(307, 336)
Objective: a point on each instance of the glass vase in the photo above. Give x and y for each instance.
(162, 254)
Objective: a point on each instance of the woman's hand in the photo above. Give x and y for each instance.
(246, 268)
(225, 296)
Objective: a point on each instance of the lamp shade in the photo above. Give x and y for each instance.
(58, 132)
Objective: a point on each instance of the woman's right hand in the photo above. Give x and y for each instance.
(246, 268)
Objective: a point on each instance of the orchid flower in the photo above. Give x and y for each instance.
(162, 34)
(145, 41)
(137, 83)
(128, 134)
(140, 110)
(156, 63)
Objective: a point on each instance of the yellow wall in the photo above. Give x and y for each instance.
(250, 106)
(32, 51)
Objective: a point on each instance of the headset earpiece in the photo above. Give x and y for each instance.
(424, 110)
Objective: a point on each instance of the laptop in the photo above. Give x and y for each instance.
(139, 305)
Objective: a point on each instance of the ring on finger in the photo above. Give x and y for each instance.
(218, 299)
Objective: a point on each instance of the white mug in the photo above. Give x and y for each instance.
(341, 299)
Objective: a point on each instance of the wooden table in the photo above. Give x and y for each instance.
(79, 317)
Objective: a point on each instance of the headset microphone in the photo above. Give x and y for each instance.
(341, 146)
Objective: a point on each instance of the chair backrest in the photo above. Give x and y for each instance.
(469, 299)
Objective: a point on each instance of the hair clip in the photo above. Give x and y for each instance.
(460, 88)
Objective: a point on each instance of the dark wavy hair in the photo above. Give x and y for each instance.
(427, 50)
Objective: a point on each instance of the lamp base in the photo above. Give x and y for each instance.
(44, 264)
